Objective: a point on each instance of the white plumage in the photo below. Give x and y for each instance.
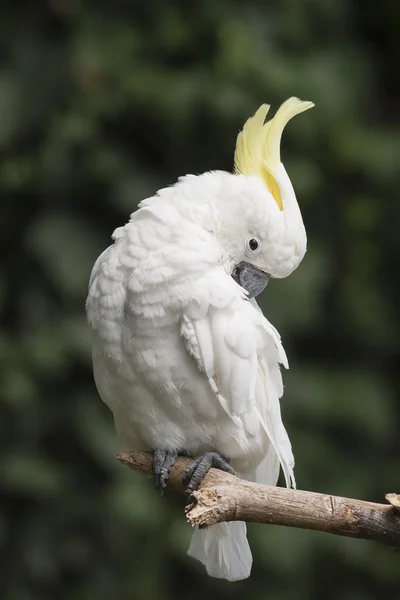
(182, 357)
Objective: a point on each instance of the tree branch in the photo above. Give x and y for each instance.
(224, 497)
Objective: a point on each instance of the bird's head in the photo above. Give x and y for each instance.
(252, 214)
(260, 226)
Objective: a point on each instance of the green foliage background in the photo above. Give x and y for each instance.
(102, 103)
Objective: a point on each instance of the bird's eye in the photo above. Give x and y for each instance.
(253, 245)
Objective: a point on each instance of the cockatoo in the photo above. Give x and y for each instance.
(182, 354)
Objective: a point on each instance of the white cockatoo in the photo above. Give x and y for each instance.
(182, 354)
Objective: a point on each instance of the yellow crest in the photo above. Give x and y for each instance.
(258, 144)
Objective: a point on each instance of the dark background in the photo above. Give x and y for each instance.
(101, 104)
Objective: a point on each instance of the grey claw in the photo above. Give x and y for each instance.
(163, 461)
(194, 475)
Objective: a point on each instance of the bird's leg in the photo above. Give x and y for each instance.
(163, 461)
(199, 468)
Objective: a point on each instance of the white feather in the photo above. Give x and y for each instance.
(224, 550)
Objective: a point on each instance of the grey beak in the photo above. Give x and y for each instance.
(250, 278)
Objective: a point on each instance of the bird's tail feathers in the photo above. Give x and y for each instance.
(223, 549)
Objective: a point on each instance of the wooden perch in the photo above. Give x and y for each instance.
(224, 497)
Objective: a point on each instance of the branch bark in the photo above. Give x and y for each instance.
(224, 497)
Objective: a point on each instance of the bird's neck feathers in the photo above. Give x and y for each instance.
(196, 199)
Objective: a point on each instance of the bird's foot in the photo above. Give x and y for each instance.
(194, 475)
(163, 461)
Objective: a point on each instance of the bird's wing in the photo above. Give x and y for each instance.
(271, 380)
(239, 352)
(270, 412)
(105, 304)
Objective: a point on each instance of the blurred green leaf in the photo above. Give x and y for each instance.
(33, 476)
